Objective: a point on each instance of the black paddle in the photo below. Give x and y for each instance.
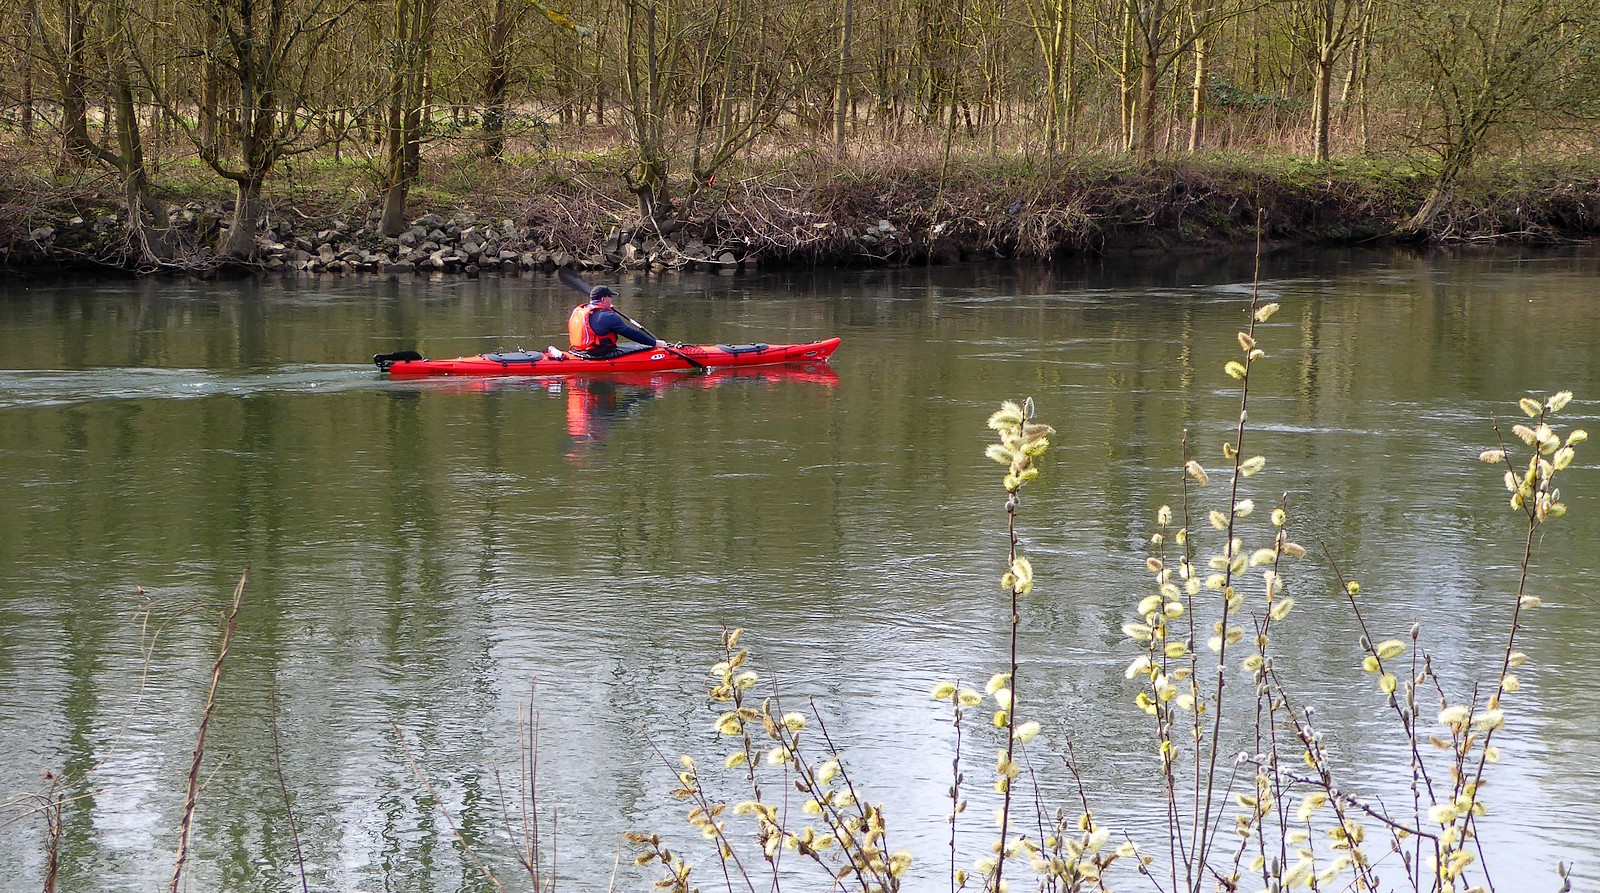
(570, 277)
(384, 360)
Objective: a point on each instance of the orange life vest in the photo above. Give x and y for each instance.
(582, 335)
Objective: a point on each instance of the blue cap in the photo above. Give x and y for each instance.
(601, 291)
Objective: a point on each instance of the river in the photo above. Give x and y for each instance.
(427, 560)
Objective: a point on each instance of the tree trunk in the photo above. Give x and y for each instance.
(414, 21)
(153, 237)
(27, 84)
(210, 125)
(1055, 63)
(496, 80)
(78, 145)
(841, 92)
(240, 242)
(1145, 112)
(655, 197)
(393, 220)
(1125, 78)
(1320, 109)
(1197, 105)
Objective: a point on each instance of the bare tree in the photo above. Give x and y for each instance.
(1055, 28)
(729, 65)
(1321, 29)
(506, 18)
(92, 47)
(414, 23)
(266, 53)
(1498, 70)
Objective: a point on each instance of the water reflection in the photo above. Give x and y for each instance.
(426, 558)
(597, 404)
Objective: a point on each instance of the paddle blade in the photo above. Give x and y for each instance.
(384, 360)
(571, 278)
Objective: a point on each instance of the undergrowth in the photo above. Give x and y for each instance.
(803, 204)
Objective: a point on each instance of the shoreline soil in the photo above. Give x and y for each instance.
(824, 217)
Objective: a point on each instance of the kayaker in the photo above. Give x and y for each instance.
(594, 327)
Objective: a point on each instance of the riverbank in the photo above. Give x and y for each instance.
(475, 217)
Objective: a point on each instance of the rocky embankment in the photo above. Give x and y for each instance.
(903, 220)
(462, 244)
(471, 246)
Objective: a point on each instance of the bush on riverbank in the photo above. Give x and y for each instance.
(894, 206)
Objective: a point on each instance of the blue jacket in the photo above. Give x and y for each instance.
(610, 322)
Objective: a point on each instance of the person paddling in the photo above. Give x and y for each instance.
(595, 325)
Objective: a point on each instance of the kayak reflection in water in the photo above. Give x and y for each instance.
(594, 405)
(595, 325)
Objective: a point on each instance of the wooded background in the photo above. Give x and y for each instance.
(686, 87)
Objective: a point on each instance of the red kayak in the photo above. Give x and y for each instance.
(410, 364)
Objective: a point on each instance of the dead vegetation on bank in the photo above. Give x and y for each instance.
(879, 208)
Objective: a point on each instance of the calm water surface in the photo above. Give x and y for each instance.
(429, 559)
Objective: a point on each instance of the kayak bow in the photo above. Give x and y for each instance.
(410, 364)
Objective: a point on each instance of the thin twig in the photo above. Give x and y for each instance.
(283, 786)
(193, 792)
(439, 805)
